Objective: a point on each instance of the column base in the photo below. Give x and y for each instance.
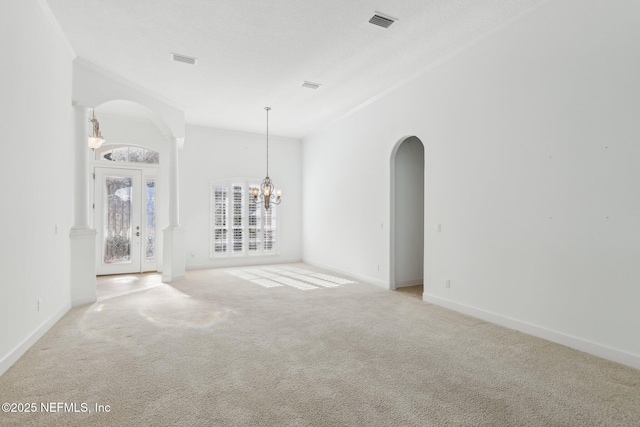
(173, 263)
(83, 266)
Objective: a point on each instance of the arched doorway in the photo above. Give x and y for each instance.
(407, 214)
(129, 189)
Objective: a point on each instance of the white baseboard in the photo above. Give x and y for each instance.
(12, 357)
(595, 349)
(377, 282)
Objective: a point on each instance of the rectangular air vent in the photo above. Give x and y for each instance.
(182, 58)
(382, 20)
(311, 85)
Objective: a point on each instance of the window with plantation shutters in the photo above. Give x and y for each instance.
(254, 223)
(240, 226)
(237, 220)
(269, 229)
(220, 220)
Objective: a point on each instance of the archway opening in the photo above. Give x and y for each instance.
(407, 201)
(130, 186)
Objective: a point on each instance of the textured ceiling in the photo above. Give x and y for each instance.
(257, 53)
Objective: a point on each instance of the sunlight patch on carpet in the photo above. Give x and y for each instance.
(169, 307)
(272, 277)
(267, 283)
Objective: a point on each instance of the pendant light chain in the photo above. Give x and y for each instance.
(267, 108)
(267, 194)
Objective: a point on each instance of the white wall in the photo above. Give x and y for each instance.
(210, 155)
(94, 86)
(532, 156)
(408, 217)
(36, 140)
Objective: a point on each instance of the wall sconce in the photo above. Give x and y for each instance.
(95, 140)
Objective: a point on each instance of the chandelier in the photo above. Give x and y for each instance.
(267, 193)
(95, 140)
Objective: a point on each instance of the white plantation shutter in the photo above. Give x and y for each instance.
(220, 220)
(239, 226)
(254, 224)
(269, 231)
(237, 220)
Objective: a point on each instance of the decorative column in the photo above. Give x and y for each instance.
(173, 267)
(82, 235)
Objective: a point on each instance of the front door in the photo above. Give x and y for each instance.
(124, 216)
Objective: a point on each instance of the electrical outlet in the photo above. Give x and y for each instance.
(447, 284)
(439, 228)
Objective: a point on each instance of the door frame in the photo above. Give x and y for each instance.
(146, 172)
(392, 213)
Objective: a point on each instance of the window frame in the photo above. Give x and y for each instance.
(245, 226)
(101, 152)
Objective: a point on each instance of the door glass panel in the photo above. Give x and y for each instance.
(117, 233)
(151, 220)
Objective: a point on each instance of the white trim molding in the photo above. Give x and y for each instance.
(174, 260)
(82, 242)
(580, 344)
(15, 354)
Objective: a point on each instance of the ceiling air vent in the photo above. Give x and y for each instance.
(382, 20)
(311, 85)
(182, 58)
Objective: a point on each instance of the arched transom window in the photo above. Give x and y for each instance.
(128, 154)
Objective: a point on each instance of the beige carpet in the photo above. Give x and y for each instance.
(239, 347)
